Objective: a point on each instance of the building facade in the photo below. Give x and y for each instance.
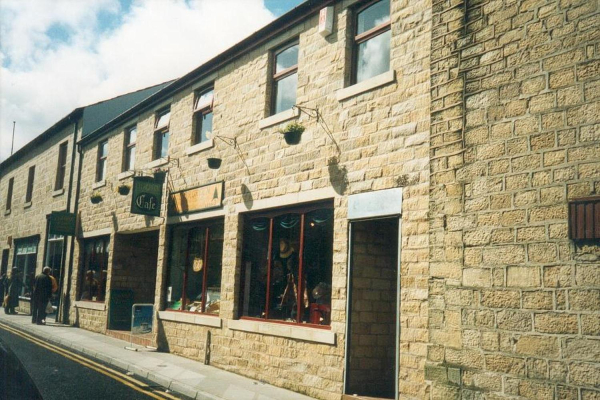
(378, 198)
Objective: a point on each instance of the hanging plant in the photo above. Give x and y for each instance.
(293, 132)
(96, 198)
(123, 189)
(213, 163)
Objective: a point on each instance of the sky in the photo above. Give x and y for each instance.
(57, 55)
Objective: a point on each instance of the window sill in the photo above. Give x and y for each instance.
(156, 163)
(282, 330)
(190, 318)
(58, 192)
(207, 144)
(278, 118)
(7, 212)
(99, 184)
(365, 86)
(27, 205)
(91, 305)
(125, 175)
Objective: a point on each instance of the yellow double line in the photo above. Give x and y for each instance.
(111, 373)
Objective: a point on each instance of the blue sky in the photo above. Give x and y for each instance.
(57, 55)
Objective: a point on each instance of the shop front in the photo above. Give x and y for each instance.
(25, 260)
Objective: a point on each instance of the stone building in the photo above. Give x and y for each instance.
(39, 185)
(381, 198)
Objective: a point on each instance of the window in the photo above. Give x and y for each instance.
(25, 259)
(101, 161)
(285, 78)
(129, 156)
(94, 269)
(161, 134)
(203, 115)
(194, 271)
(9, 193)
(372, 41)
(30, 178)
(61, 166)
(287, 265)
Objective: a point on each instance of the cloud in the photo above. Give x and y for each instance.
(61, 54)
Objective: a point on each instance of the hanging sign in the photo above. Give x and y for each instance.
(62, 223)
(146, 197)
(200, 198)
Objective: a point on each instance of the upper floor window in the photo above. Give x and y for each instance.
(203, 115)
(61, 167)
(285, 78)
(372, 41)
(161, 134)
(101, 161)
(29, 193)
(129, 153)
(9, 193)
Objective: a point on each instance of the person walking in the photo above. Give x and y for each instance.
(13, 289)
(42, 291)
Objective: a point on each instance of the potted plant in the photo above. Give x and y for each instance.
(96, 198)
(213, 163)
(292, 132)
(123, 189)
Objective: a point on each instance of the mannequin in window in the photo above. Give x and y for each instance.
(285, 281)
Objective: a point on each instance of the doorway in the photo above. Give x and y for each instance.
(373, 314)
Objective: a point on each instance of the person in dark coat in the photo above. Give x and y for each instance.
(42, 291)
(13, 289)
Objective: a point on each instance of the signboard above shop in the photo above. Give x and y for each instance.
(146, 197)
(63, 223)
(197, 199)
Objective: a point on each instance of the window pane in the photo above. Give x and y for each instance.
(203, 126)
(254, 270)
(286, 59)
(204, 100)
(101, 169)
(164, 144)
(195, 271)
(373, 57)
(214, 265)
(284, 268)
(163, 120)
(132, 136)
(285, 92)
(103, 149)
(130, 158)
(177, 265)
(94, 270)
(373, 16)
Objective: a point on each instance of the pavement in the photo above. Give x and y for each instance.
(178, 374)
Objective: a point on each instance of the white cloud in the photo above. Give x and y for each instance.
(42, 79)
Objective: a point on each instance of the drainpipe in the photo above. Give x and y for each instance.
(66, 300)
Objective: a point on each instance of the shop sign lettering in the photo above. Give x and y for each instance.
(197, 199)
(146, 196)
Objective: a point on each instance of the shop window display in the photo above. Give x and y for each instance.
(25, 260)
(194, 271)
(94, 269)
(293, 284)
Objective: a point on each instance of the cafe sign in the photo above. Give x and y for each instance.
(146, 197)
(197, 199)
(62, 223)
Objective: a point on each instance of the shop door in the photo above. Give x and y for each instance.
(373, 312)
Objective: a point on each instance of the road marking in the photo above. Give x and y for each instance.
(111, 373)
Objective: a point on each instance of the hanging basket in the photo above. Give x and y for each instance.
(214, 163)
(123, 190)
(95, 198)
(292, 133)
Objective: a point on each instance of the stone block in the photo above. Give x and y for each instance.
(500, 298)
(582, 349)
(540, 346)
(562, 323)
(514, 320)
(523, 276)
(584, 300)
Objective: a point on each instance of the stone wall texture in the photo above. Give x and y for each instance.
(514, 136)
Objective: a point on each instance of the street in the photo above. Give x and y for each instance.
(63, 374)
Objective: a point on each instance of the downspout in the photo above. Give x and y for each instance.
(66, 300)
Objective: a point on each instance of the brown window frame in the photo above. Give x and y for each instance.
(30, 179)
(129, 147)
(9, 193)
(102, 259)
(200, 112)
(101, 161)
(61, 168)
(365, 36)
(278, 76)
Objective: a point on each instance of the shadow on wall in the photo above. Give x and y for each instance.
(338, 175)
(247, 197)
